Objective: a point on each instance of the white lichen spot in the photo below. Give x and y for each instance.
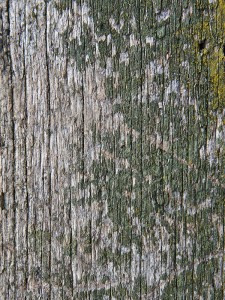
(133, 23)
(133, 40)
(185, 64)
(109, 38)
(184, 95)
(202, 152)
(156, 67)
(85, 14)
(101, 38)
(149, 41)
(125, 250)
(163, 16)
(109, 69)
(187, 12)
(97, 52)
(130, 211)
(60, 25)
(173, 87)
(124, 57)
(210, 150)
(115, 26)
(113, 50)
(148, 178)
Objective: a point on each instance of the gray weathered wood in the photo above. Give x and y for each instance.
(112, 149)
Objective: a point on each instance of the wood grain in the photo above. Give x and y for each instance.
(112, 149)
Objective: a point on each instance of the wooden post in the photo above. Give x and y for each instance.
(112, 149)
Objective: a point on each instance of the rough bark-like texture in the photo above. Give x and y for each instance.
(112, 149)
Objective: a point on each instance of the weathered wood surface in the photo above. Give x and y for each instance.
(112, 136)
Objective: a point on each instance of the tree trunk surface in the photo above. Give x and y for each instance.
(112, 149)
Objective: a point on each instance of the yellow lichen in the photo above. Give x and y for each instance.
(217, 61)
(212, 56)
(217, 74)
